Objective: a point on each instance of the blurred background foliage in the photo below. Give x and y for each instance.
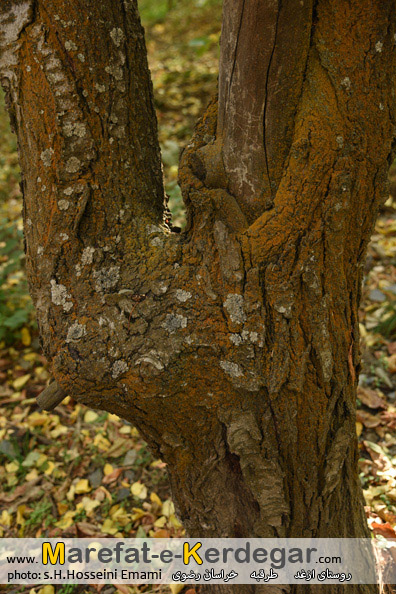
(78, 472)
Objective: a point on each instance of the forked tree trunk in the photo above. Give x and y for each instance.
(234, 346)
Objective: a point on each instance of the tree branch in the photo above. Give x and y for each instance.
(51, 396)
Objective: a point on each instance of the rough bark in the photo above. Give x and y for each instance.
(233, 347)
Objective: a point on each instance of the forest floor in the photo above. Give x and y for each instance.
(79, 472)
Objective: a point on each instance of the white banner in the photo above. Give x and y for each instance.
(165, 561)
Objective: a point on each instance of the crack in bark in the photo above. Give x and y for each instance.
(236, 49)
(266, 97)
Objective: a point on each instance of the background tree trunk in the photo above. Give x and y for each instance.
(233, 347)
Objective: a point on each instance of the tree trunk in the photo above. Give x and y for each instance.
(233, 347)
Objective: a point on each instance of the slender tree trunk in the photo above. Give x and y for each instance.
(234, 346)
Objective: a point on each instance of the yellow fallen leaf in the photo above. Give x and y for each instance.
(139, 490)
(49, 470)
(25, 337)
(108, 527)
(71, 492)
(155, 499)
(41, 459)
(12, 480)
(168, 508)
(119, 515)
(160, 523)
(60, 430)
(139, 513)
(36, 419)
(113, 418)
(108, 469)
(46, 590)
(157, 464)
(66, 520)
(82, 486)
(176, 588)
(125, 429)
(75, 412)
(33, 474)
(175, 522)
(20, 520)
(62, 508)
(90, 416)
(359, 428)
(88, 505)
(41, 373)
(19, 382)
(5, 518)
(101, 442)
(30, 357)
(12, 466)
(362, 330)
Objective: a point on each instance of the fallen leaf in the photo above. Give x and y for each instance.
(113, 476)
(20, 520)
(108, 527)
(101, 442)
(20, 381)
(370, 398)
(367, 419)
(47, 590)
(392, 363)
(378, 456)
(176, 588)
(66, 520)
(62, 508)
(50, 468)
(389, 418)
(82, 486)
(88, 505)
(168, 508)
(384, 530)
(175, 522)
(139, 490)
(119, 447)
(5, 518)
(12, 467)
(25, 337)
(107, 469)
(120, 516)
(31, 459)
(155, 499)
(162, 533)
(160, 523)
(19, 491)
(87, 529)
(90, 416)
(123, 589)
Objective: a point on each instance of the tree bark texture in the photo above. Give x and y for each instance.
(233, 346)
